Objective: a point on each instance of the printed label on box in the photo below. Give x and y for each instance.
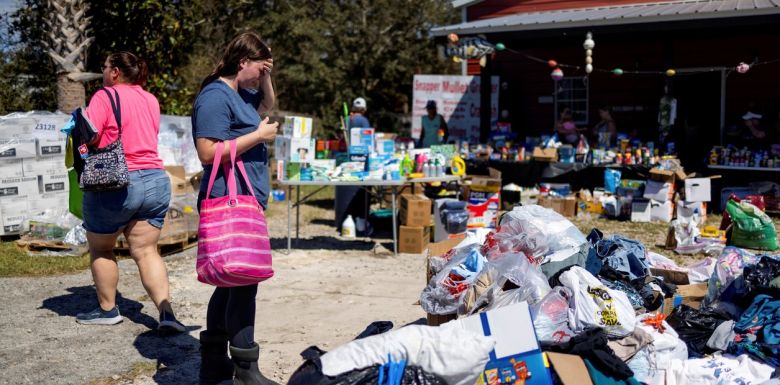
(19, 186)
(53, 183)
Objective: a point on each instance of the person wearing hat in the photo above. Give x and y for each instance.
(357, 117)
(753, 134)
(434, 127)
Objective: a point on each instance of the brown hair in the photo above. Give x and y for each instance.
(247, 45)
(132, 67)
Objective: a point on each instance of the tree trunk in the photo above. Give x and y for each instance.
(70, 94)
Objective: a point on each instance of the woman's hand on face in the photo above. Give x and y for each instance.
(268, 65)
(267, 131)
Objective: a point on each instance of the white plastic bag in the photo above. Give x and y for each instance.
(595, 305)
(551, 316)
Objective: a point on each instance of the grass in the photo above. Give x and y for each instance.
(16, 263)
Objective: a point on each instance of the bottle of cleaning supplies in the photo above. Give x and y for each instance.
(427, 169)
(348, 227)
(407, 165)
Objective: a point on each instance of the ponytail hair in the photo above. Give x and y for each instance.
(132, 67)
(247, 45)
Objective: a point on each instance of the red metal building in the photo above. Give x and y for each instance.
(702, 40)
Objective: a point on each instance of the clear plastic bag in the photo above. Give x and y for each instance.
(551, 316)
(443, 295)
(529, 282)
(536, 232)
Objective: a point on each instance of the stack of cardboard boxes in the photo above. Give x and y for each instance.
(484, 200)
(415, 231)
(33, 177)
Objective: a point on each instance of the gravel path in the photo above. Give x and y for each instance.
(324, 293)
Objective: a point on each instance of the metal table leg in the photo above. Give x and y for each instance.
(289, 218)
(297, 212)
(395, 228)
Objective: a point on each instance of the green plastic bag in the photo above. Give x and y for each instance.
(751, 227)
(75, 195)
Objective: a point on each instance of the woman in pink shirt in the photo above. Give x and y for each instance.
(136, 211)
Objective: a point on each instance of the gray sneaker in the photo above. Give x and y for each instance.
(99, 316)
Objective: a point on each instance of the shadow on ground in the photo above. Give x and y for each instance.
(322, 243)
(175, 357)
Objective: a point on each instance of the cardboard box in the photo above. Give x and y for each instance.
(13, 212)
(566, 206)
(413, 240)
(361, 141)
(640, 211)
(571, 369)
(661, 211)
(689, 295)
(676, 277)
(17, 148)
(39, 125)
(545, 154)
(180, 184)
(282, 148)
(53, 183)
(686, 209)
(297, 127)
(19, 186)
(292, 171)
(698, 190)
(659, 191)
(51, 146)
(484, 199)
(663, 176)
(11, 168)
(517, 357)
(302, 150)
(43, 166)
(40, 203)
(415, 210)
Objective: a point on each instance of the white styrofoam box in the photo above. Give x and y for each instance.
(31, 125)
(52, 146)
(44, 166)
(659, 191)
(698, 190)
(297, 127)
(686, 209)
(301, 149)
(640, 211)
(47, 201)
(53, 183)
(17, 148)
(11, 168)
(19, 186)
(13, 212)
(661, 211)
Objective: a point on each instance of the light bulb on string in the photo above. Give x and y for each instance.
(556, 74)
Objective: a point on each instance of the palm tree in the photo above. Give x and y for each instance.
(68, 29)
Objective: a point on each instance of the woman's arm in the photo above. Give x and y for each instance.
(265, 132)
(269, 97)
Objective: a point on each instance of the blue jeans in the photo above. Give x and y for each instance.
(146, 197)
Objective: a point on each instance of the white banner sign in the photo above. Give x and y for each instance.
(457, 99)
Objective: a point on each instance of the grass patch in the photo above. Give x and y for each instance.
(16, 263)
(147, 368)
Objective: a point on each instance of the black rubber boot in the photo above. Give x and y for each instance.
(247, 371)
(215, 365)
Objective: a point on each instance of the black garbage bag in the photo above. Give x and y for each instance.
(695, 326)
(761, 275)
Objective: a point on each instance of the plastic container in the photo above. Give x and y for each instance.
(348, 227)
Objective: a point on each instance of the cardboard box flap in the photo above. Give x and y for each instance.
(571, 369)
(437, 249)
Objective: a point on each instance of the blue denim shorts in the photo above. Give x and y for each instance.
(146, 197)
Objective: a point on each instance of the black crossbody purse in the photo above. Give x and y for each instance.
(105, 169)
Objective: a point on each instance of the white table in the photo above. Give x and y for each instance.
(393, 184)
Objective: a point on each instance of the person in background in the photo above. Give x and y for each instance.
(434, 127)
(568, 133)
(227, 108)
(753, 133)
(357, 118)
(605, 132)
(138, 210)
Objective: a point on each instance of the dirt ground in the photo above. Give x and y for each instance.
(324, 293)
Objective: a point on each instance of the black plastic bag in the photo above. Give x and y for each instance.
(310, 373)
(695, 326)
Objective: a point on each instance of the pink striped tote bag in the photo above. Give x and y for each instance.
(233, 245)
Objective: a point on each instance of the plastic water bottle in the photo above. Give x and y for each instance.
(427, 170)
(348, 227)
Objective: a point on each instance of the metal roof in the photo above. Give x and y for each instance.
(617, 15)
